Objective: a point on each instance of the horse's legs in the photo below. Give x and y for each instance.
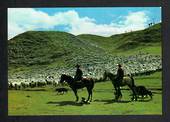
(134, 92)
(75, 92)
(116, 92)
(89, 94)
(119, 93)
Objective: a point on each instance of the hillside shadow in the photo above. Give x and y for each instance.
(65, 103)
(110, 101)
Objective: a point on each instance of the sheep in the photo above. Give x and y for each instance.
(49, 80)
(139, 64)
(55, 83)
(24, 85)
(41, 83)
(32, 84)
(16, 85)
(10, 85)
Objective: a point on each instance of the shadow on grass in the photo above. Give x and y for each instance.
(65, 103)
(34, 90)
(154, 92)
(110, 101)
(144, 100)
(104, 90)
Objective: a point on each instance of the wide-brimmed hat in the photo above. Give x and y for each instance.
(119, 65)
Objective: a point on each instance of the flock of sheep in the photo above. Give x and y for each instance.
(19, 83)
(140, 64)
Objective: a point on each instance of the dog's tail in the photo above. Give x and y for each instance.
(133, 81)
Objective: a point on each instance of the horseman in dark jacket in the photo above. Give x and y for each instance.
(120, 74)
(119, 79)
(79, 74)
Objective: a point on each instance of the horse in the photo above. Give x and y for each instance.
(75, 85)
(127, 81)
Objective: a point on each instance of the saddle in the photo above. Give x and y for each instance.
(125, 79)
(78, 81)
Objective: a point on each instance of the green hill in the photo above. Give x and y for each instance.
(45, 47)
(148, 40)
(48, 49)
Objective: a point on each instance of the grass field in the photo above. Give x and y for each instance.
(45, 101)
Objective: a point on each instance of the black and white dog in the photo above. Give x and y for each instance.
(61, 90)
(142, 91)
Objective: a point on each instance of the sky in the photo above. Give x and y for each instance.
(103, 21)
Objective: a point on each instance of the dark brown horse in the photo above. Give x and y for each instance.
(127, 81)
(75, 85)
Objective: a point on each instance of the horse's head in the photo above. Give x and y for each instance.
(66, 78)
(62, 78)
(109, 75)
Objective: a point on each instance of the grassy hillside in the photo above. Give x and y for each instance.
(148, 40)
(36, 50)
(44, 47)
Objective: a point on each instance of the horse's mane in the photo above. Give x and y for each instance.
(110, 75)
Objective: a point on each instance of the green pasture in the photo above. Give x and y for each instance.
(45, 101)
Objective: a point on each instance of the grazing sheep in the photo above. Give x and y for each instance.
(142, 91)
(24, 85)
(49, 80)
(10, 85)
(16, 85)
(32, 84)
(55, 83)
(41, 83)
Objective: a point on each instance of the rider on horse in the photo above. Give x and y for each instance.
(119, 79)
(120, 74)
(79, 74)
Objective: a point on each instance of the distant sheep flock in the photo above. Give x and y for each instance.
(141, 64)
(20, 83)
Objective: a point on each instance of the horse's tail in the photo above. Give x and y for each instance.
(93, 81)
(134, 88)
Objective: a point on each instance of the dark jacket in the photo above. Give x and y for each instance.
(120, 74)
(78, 75)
